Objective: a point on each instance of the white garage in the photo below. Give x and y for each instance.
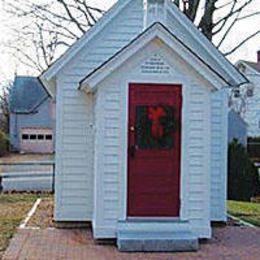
(36, 140)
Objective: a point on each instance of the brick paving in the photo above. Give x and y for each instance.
(229, 242)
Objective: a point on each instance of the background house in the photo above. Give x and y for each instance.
(251, 113)
(32, 117)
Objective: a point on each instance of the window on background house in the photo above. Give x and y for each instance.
(250, 91)
(40, 137)
(48, 137)
(32, 137)
(25, 136)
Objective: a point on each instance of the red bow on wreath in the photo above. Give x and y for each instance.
(155, 114)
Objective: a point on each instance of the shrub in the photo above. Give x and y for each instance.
(4, 143)
(243, 179)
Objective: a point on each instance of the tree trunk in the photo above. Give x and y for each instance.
(191, 9)
(206, 24)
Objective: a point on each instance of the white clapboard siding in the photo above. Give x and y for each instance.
(76, 133)
(218, 155)
(198, 157)
(110, 149)
(76, 155)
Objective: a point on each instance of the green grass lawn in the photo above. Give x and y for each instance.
(13, 209)
(247, 211)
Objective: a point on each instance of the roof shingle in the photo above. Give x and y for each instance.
(27, 93)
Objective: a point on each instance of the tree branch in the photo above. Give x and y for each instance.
(248, 16)
(242, 42)
(233, 11)
(73, 19)
(222, 22)
(227, 32)
(206, 24)
(192, 9)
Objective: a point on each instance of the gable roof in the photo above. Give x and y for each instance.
(26, 95)
(155, 31)
(76, 47)
(217, 60)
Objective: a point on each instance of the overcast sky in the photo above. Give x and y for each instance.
(247, 52)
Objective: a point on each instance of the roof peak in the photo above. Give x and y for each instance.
(155, 11)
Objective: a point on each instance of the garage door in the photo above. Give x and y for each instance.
(36, 140)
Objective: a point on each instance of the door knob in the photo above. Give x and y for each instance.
(132, 128)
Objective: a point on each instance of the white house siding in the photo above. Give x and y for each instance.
(219, 121)
(108, 159)
(74, 157)
(111, 141)
(198, 157)
(252, 114)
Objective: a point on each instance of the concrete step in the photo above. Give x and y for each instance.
(154, 225)
(155, 237)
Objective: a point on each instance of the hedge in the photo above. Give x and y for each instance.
(254, 139)
(4, 143)
(243, 178)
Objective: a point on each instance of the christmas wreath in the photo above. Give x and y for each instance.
(155, 126)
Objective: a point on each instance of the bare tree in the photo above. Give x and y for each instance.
(4, 107)
(50, 26)
(34, 46)
(44, 29)
(218, 18)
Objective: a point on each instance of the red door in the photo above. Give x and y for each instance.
(154, 138)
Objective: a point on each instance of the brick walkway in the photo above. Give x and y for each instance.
(228, 243)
